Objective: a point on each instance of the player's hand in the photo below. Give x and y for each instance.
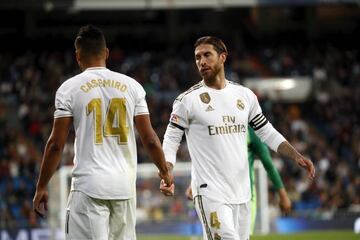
(285, 203)
(167, 175)
(167, 190)
(188, 193)
(306, 164)
(167, 186)
(40, 202)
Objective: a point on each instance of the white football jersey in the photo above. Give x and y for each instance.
(103, 104)
(215, 124)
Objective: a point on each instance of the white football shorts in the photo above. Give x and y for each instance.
(98, 219)
(223, 221)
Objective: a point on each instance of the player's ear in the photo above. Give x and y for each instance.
(106, 53)
(77, 54)
(78, 58)
(223, 57)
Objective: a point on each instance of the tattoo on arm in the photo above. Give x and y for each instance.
(288, 150)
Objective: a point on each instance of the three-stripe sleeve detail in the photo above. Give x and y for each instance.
(258, 121)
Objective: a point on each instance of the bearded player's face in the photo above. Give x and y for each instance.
(208, 61)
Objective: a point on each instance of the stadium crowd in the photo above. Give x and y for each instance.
(326, 127)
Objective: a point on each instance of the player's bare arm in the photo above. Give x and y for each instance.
(50, 161)
(287, 150)
(152, 144)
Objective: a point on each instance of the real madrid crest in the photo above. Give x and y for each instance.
(205, 97)
(240, 105)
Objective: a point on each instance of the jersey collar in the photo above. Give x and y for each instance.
(95, 68)
(213, 89)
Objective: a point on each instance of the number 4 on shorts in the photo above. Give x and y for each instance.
(214, 221)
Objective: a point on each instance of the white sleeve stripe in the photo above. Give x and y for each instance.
(64, 115)
(258, 121)
(260, 126)
(142, 113)
(257, 117)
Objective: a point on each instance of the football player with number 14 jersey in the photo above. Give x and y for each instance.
(102, 105)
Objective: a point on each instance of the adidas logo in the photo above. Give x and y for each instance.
(209, 108)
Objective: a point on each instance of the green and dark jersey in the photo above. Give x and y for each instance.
(257, 148)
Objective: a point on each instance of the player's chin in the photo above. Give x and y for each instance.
(207, 76)
(206, 73)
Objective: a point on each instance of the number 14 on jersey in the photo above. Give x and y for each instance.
(115, 120)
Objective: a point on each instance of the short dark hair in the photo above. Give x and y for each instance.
(90, 40)
(217, 43)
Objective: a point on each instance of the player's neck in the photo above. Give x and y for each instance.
(218, 82)
(93, 64)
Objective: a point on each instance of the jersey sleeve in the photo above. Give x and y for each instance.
(262, 151)
(262, 127)
(179, 116)
(63, 102)
(256, 118)
(175, 130)
(140, 101)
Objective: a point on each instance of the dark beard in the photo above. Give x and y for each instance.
(211, 78)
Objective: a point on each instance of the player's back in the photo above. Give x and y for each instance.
(103, 104)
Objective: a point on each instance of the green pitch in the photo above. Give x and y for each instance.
(328, 235)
